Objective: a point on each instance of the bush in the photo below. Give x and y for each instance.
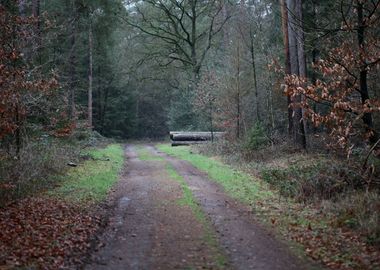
(256, 138)
(317, 180)
(359, 211)
(28, 171)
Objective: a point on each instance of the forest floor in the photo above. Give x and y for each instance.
(170, 215)
(145, 206)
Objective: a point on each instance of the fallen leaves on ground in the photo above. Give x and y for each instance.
(44, 233)
(336, 247)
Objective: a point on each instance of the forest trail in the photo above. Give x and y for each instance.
(156, 226)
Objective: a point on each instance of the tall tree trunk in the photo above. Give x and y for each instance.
(194, 61)
(253, 60)
(301, 65)
(367, 117)
(284, 17)
(104, 109)
(99, 97)
(36, 9)
(297, 64)
(90, 74)
(211, 108)
(72, 65)
(238, 94)
(22, 8)
(314, 56)
(18, 137)
(226, 37)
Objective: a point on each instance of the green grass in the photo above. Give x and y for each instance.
(90, 181)
(189, 200)
(239, 185)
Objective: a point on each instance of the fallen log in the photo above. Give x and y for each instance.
(189, 137)
(184, 143)
(194, 132)
(194, 135)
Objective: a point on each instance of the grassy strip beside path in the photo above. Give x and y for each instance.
(90, 181)
(238, 184)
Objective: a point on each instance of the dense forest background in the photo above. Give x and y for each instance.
(137, 69)
(267, 72)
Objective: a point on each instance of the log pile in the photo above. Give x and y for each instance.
(180, 138)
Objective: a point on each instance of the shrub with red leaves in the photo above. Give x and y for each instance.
(16, 83)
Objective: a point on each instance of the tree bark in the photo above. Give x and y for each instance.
(36, 4)
(284, 20)
(297, 64)
(90, 74)
(211, 108)
(72, 65)
(314, 57)
(301, 65)
(367, 117)
(238, 94)
(253, 59)
(22, 8)
(226, 36)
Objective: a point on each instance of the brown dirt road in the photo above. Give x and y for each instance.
(150, 229)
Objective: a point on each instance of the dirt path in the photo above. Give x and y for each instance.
(151, 229)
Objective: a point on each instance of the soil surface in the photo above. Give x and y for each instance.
(151, 229)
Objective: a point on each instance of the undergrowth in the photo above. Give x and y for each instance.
(41, 162)
(34, 168)
(313, 179)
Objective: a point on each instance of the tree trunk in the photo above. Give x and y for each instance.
(226, 37)
(211, 120)
(22, 8)
(297, 65)
(284, 16)
(90, 77)
(36, 8)
(301, 64)
(37, 40)
(367, 117)
(314, 58)
(253, 59)
(194, 60)
(72, 65)
(238, 94)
